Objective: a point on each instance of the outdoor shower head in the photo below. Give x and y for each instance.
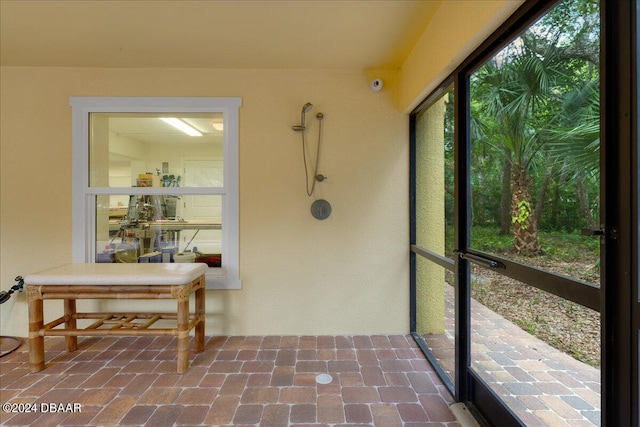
(305, 109)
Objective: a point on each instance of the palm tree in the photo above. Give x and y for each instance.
(575, 133)
(574, 140)
(510, 96)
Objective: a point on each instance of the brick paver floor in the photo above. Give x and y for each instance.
(543, 386)
(250, 381)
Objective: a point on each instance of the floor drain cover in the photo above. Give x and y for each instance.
(323, 378)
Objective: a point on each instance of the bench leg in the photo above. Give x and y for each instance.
(36, 341)
(183, 336)
(71, 323)
(200, 314)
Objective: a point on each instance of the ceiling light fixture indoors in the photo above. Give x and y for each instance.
(179, 124)
(217, 124)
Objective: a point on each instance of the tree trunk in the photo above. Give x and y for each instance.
(505, 198)
(584, 202)
(525, 228)
(543, 195)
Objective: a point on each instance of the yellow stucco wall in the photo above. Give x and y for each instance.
(345, 275)
(430, 217)
(458, 27)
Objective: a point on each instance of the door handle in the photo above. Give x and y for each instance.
(610, 233)
(590, 232)
(483, 261)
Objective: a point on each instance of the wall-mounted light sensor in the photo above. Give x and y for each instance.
(376, 85)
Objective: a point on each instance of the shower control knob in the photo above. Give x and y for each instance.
(320, 209)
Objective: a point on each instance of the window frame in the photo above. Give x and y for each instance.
(83, 195)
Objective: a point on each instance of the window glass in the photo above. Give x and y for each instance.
(435, 313)
(434, 215)
(148, 150)
(435, 176)
(534, 177)
(153, 179)
(537, 351)
(535, 145)
(159, 228)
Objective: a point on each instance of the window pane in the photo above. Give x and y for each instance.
(535, 198)
(434, 213)
(538, 352)
(165, 228)
(144, 150)
(535, 132)
(435, 312)
(435, 176)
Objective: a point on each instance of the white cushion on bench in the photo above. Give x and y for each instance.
(118, 274)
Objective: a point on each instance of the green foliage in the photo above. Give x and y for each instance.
(524, 212)
(530, 326)
(556, 245)
(489, 239)
(536, 104)
(574, 140)
(568, 247)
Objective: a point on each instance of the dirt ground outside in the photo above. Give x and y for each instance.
(565, 325)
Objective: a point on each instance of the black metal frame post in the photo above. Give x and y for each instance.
(617, 126)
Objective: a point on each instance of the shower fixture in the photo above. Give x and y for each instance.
(301, 128)
(305, 109)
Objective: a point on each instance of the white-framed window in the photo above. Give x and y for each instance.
(145, 190)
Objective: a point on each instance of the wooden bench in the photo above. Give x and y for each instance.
(72, 282)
